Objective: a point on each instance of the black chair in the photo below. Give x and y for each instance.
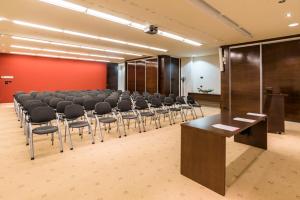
(185, 107)
(105, 115)
(127, 113)
(159, 110)
(113, 102)
(43, 116)
(72, 115)
(191, 101)
(144, 111)
(170, 104)
(54, 101)
(78, 100)
(60, 109)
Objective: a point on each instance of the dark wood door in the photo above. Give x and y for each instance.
(112, 76)
(281, 71)
(131, 77)
(175, 76)
(245, 79)
(140, 76)
(151, 75)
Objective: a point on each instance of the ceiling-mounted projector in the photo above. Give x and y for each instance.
(152, 30)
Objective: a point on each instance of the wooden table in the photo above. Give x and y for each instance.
(203, 147)
(207, 99)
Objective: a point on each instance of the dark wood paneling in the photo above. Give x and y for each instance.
(151, 76)
(131, 77)
(281, 71)
(169, 70)
(112, 76)
(140, 76)
(245, 79)
(225, 81)
(175, 80)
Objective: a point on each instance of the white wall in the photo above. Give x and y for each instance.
(121, 76)
(206, 66)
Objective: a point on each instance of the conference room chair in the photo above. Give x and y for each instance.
(28, 107)
(144, 111)
(172, 96)
(113, 102)
(104, 115)
(69, 98)
(73, 115)
(78, 100)
(21, 101)
(170, 104)
(54, 101)
(185, 107)
(43, 117)
(159, 110)
(60, 110)
(127, 113)
(191, 101)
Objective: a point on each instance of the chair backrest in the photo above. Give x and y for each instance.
(33, 105)
(103, 108)
(78, 100)
(190, 99)
(69, 98)
(89, 104)
(29, 102)
(73, 111)
(162, 98)
(24, 97)
(141, 104)
(47, 99)
(169, 101)
(156, 95)
(124, 106)
(42, 114)
(54, 101)
(180, 100)
(112, 101)
(172, 96)
(60, 108)
(156, 102)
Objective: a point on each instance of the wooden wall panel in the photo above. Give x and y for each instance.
(164, 74)
(175, 80)
(151, 76)
(281, 71)
(112, 76)
(140, 76)
(245, 79)
(225, 82)
(131, 77)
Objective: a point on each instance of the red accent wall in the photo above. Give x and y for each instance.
(48, 74)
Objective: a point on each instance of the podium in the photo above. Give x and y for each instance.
(274, 108)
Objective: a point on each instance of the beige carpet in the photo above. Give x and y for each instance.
(140, 166)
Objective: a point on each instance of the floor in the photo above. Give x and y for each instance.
(140, 166)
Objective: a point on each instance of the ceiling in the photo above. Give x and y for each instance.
(262, 18)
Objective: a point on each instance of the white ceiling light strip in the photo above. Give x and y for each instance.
(72, 45)
(54, 56)
(43, 27)
(64, 52)
(102, 15)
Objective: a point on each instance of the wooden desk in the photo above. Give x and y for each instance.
(207, 99)
(203, 147)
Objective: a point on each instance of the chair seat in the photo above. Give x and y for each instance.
(147, 114)
(196, 105)
(162, 111)
(175, 109)
(78, 124)
(186, 107)
(129, 116)
(45, 130)
(107, 120)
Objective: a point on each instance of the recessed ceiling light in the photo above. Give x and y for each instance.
(85, 35)
(119, 20)
(73, 45)
(64, 52)
(54, 56)
(289, 14)
(293, 24)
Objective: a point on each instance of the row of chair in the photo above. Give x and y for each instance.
(80, 109)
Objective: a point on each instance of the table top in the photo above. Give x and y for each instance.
(226, 118)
